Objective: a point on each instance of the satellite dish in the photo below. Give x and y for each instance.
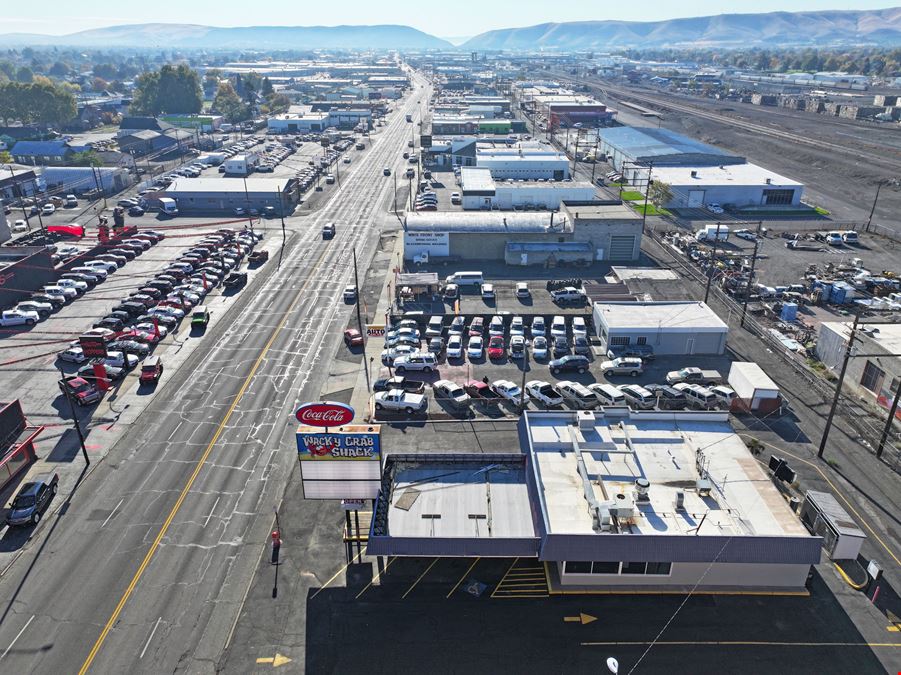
(613, 665)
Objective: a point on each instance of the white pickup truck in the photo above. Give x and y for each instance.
(401, 400)
(694, 376)
(18, 317)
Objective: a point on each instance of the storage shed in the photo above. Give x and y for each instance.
(755, 391)
(678, 328)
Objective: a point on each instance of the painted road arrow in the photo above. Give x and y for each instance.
(276, 661)
(582, 618)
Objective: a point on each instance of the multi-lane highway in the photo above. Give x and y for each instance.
(145, 566)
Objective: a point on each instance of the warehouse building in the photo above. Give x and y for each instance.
(581, 233)
(479, 190)
(875, 376)
(224, 195)
(616, 500)
(729, 185)
(528, 161)
(662, 147)
(673, 328)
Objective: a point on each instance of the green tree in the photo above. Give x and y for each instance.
(659, 193)
(59, 69)
(172, 89)
(266, 89)
(105, 70)
(5, 157)
(40, 102)
(228, 104)
(87, 158)
(24, 74)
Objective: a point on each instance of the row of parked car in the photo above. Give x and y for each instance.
(145, 316)
(565, 336)
(272, 156)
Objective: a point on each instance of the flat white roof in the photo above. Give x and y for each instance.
(254, 185)
(484, 221)
(753, 375)
(475, 178)
(728, 174)
(472, 499)
(656, 273)
(682, 314)
(662, 448)
(886, 335)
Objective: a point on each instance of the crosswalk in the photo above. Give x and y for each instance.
(524, 579)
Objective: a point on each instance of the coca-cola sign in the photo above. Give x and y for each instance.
(324, 414)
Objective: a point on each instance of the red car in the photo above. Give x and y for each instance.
(352, 338)
(496, 348)
(140, 336)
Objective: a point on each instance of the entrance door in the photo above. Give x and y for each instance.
(695, 199)
(690, 346)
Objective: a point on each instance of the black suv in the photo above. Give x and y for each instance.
(575, 362)
(644, 352)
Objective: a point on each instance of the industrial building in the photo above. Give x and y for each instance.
(309, 122)
(529, 161)
(672, 328)
(583, 234)
(224, 195)
(729, 185)
(616, 500)
(625, 146)
(876, 375)
(479, 190)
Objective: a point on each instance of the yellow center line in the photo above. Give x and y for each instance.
(338, 573)
(181, 497)
(375, 578)
(465, 574)
(419, 579)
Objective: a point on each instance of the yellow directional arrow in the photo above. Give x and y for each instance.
(582, 618)
(276, 661)
(895, 621)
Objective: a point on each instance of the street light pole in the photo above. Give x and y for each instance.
(359, 314)
(744, 307)
(712, 266)
(838, 385)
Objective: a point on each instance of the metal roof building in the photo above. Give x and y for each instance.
(617, 499)
(674, 328)
(643, 145)
(217, 195)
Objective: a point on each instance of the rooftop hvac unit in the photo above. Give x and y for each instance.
(585, 419)
(680, 501)
(605, 521)
(642, 487)
(623, 505)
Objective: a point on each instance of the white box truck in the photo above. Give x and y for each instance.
(710, 233)
(168, 206)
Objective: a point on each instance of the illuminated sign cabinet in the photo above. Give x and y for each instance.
(340, 462)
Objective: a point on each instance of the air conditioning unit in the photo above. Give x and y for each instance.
(585, 420)
(623, 505)
(642, 488)
(680, 501)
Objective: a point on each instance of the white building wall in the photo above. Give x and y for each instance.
(552, 169)
(791, 577)
(739, 195)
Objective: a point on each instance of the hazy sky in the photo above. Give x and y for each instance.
(444, 18)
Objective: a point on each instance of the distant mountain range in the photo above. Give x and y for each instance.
(776, 29)
(188, 36)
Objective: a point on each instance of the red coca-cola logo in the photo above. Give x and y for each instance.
(325, 414)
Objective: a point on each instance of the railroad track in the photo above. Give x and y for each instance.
(871, 157)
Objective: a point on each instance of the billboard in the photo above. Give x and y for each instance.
(323, 446)
(92, 346)
(433, 243)
(340, 463)
(375, 330)
(324, 414)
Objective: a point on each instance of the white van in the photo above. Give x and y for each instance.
(607, 394)
(850, 237)
(724, 394)
(579, 327)
(558, 326)
(168, 206)
(638, 397)
(465, 279)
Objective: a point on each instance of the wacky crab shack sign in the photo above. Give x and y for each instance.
(355, 442)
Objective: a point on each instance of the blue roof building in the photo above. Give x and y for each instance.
(662, 147)
(41, 152)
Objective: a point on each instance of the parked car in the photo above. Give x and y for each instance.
(517, 347)
(475, 348)
(18, 317)
(545, 392)
(418, 361)
(32, 500)
(72, 355)
(451, 391)
(399, 382)
(130, 347)
(43, 309)
(401, 400)
(507, 390)
(577, 395)
(625, 365)
(569, 363)
(353, 338)
(496, 347)
(539, 348)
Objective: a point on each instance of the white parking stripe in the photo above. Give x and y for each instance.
(115, 508)
(6, 651)
(152, 633)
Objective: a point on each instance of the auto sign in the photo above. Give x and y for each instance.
(324, 414)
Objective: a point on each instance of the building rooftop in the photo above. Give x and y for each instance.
(600, 211)
(698, 455)
(483, 221)
(886, 335)
(649, 143)
(472, 497)
(254, 185)
(728, 174)
(689, 315)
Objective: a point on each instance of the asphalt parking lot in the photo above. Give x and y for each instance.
(505, 300)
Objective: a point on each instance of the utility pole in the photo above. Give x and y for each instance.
(522, 387)
(873, 208)
(360, 316)
(889, 422)
(247, 201)
(712, 267)
(744, 305)
(17, 189)
(576, 153)
(644, 211)
(411, 192)
(838, 385)
(594, 164)
(68, 395)
(281, 213)
(395, 192)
